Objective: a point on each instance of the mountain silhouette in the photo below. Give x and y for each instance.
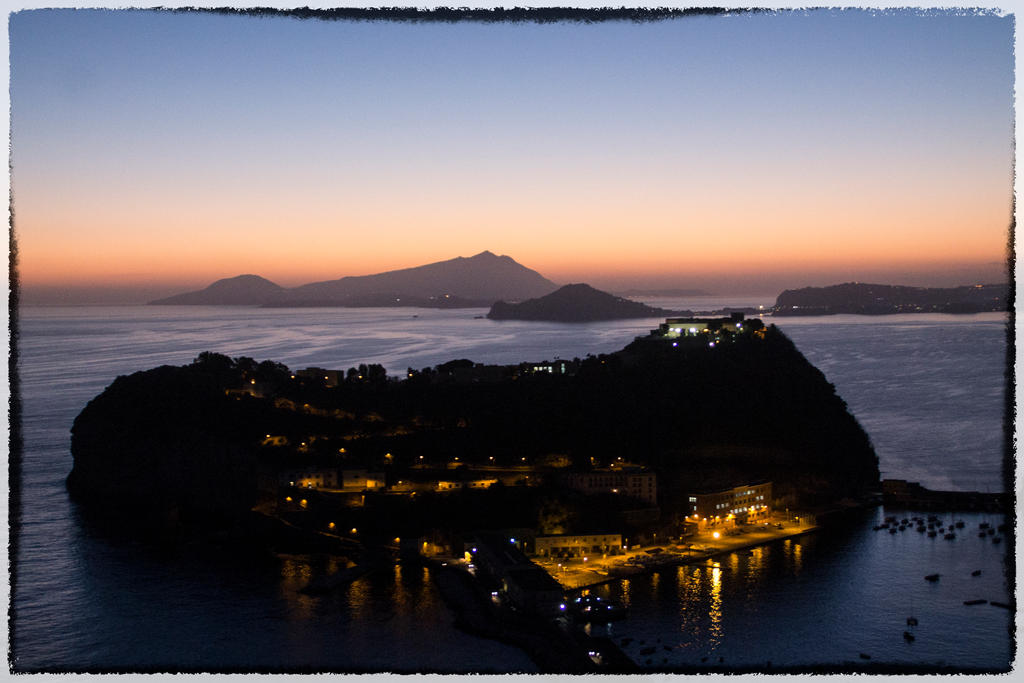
(240, 290)
(575, 303)
(478, 280)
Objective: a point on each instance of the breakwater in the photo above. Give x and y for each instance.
(554, 649)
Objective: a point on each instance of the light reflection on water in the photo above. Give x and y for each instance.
(715, 609)
(824, 598)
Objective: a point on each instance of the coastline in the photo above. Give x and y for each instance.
(607, 570)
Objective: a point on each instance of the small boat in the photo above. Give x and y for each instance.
(864, 655)
(982, 534)
(960, 524)
(996, 539)
(933, 533)
(983, 525)
(911, 621)
(976, 572)
(594, 608)
(908, 636)
(975, 602)
(991, 532)
(999, 604)
(892, 530)
(950, 536)
(932, 577)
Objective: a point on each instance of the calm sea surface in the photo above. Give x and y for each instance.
(928, 389)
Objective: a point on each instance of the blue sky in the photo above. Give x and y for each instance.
(160, 147)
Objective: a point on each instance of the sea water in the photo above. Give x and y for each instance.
(928, 389)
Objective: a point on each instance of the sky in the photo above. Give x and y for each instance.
(155, 152)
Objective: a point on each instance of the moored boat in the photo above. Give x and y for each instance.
(594, 608)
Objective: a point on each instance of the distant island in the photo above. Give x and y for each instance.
(477, 281)
(868, 299)
(256, 451)
(582, 303)
(576, 303)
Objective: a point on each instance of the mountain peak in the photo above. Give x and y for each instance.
(233, 291)
(575, 303)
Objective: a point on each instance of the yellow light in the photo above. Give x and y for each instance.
(288, 499)
(716, 534)
(353, 530)
(397, 539)
(331, 525)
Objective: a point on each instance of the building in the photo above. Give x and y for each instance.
(577, 546)
(312, 478)
(632, 482)
(740, 503)
(674, 328)
(362, 480)
(468, 483)
(556, 367)
(527, 586)
(330, 378)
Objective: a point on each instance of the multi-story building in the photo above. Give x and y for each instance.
(577, 546)
(740, 503)
(632, 482)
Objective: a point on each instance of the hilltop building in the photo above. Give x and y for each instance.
(674, 328)
(634, 482)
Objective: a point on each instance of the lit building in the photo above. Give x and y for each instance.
(452, 485)
(577, 546)
(635, 483)
(330, 378)
(361, 480)
(310, 478)
(557, 367)
(740, 503)
(673, 328)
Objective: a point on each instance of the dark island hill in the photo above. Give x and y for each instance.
(211, 445)
(575, 303)
(578, 303)
(867, 299)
